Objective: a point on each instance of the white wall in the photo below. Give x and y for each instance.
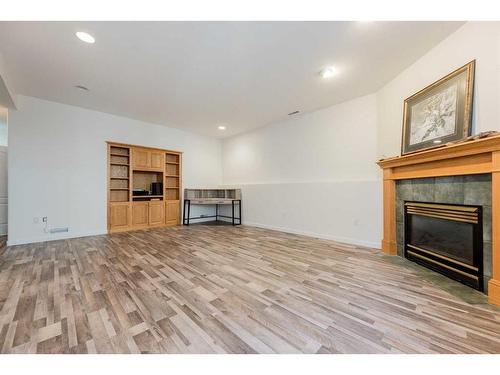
(3, 172)
(3, 190)
(57, 165)
(474, 40)
(3, 127)
(314, 174)
(6, 88)
(317, 175)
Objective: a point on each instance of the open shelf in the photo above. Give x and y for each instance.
(172, 194)
(171, 182)
(172, 177)
(118, 196)
(172, 170)
(119, 151)
(118, 171)
(118, 158)
(144, 179)
(172, 158)
(127, 164)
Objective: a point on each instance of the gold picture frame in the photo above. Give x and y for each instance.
(439, 113)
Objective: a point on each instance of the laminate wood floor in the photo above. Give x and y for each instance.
(219, 289)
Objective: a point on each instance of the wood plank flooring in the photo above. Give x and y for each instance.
(219, 289)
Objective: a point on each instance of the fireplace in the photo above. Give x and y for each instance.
(447, 238)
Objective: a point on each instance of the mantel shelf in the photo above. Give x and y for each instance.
(465, 158)
(456, 150)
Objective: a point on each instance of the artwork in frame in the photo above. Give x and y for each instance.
(440, 113)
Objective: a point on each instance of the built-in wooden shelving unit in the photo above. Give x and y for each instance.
(143, 188)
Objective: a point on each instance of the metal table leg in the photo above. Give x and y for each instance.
(232, 211)
(185, 218)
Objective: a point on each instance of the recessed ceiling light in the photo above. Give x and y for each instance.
(85, 37)
(328, 72)
(83, 88)
(437, 141)
(221, 127)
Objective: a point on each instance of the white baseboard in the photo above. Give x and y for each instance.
(53, 237)
(346, 240)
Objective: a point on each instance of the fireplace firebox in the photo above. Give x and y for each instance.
(446, 238)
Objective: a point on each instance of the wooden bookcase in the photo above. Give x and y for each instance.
(132, 168)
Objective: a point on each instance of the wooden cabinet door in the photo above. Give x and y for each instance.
(156, 213)
(119, 216)
(141, 158)
(172, 212)
(140, 214)
(157, 160)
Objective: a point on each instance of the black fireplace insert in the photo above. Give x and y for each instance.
(446, 238)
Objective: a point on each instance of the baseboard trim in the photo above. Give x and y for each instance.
(47, 238)
(346, 240)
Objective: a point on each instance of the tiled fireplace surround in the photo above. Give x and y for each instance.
(465, 172)
(473, 190)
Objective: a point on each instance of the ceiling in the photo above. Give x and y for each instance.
(198, 75)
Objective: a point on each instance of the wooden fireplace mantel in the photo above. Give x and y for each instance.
(466, 158)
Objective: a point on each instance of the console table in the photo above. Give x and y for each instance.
(215, 197)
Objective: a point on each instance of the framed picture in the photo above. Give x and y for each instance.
(440, 113)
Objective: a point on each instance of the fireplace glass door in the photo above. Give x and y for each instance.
(447, 239)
